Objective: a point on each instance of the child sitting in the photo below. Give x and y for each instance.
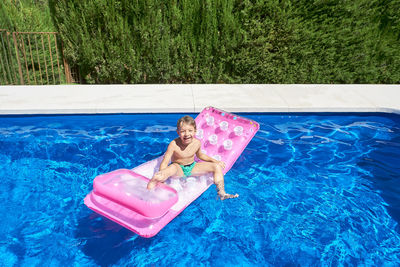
(181, 153)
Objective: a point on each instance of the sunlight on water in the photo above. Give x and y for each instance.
(314, 190)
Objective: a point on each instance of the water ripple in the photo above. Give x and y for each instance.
(314, 190)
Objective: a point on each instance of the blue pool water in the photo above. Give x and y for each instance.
(314, 190)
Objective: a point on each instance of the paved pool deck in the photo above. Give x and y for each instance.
(188, 98)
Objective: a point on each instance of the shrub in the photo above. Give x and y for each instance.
(320, 41)
(220, 41)
(25, 15)
(147, 41)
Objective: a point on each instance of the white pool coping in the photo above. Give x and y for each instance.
(192, 98)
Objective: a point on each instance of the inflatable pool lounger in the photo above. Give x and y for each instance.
(122, 195)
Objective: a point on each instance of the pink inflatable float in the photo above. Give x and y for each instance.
(122, 196)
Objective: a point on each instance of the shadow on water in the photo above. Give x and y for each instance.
(383, 164)
(105, 241)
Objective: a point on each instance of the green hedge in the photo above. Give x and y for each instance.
(147, 41)
(320, 42)
(231, 41)
(25, 16)
(28, 16)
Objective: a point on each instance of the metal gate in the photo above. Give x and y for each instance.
(32, 58)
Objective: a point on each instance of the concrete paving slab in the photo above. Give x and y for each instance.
(91, 99)
(325, 98)
(239, 98)
(65, 99)
(46, 99)
(382, 96)
(145, 99)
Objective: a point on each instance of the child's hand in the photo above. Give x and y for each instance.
(222, 164)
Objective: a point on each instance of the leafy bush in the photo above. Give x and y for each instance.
(147, 41)
(320, 41)
(31, 50)
(221, 41)
(25, 16)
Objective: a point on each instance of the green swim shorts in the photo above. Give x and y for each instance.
(187, 169)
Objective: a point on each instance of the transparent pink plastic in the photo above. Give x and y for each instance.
(128, 189)
(122, 196)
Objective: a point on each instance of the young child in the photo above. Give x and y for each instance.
(181, 153)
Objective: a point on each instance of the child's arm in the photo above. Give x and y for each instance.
(204, 157)
(167, 157)
(164, 164)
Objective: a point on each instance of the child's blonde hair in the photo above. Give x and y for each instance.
(186, 120)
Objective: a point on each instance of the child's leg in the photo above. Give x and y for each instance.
(204, 167)
(161, 176)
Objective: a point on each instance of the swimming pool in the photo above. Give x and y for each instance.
(318, 189)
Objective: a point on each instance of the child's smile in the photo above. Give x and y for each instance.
(186, 133)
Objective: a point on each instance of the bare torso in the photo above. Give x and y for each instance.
(184, 155)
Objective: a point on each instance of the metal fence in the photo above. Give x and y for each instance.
(32, 58)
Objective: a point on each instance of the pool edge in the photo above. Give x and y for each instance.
(192, 98)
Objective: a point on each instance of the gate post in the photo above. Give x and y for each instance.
(21, 77)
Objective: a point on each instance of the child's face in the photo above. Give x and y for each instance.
(186, 133)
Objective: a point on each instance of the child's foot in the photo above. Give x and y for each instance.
(227, 196)
(158, 176)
